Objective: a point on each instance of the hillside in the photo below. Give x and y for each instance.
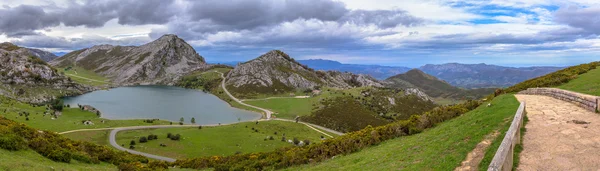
(442, 147)
(433, 86)
(27, 78)
(159, 62)
(376, 71)
(483, 75)
(275, 73)
(44, 55)
(587, 83)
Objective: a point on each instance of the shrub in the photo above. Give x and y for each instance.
(12, 142)
(345, 144)
(60, 155)
(555, 78)
(132, 142)
(143, 140)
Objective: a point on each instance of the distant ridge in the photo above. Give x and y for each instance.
(484, 75)
(433, 86)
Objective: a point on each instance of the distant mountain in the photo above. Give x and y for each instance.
(25, 77)
(276, 72)
(483, 75)
(433, 86)
(44, 55)
(159, 62)
(377, 71)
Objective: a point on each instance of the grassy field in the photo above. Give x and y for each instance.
(289, 108)
(99, 137)
(221, 140)
(71, 118)
(588, 83)
(443, 147)
(93, 79)
(30, 160)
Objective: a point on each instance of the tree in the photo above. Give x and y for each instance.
(132, 142)
(98, 113)
(169, 135)
(193, 120)
(57, 104)
(181, 120)
(143, 140)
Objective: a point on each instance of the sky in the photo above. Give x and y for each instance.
(385, 32)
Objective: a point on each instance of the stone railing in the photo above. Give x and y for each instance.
(503, 159)
(585, 101)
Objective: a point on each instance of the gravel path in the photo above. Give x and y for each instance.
(560, 136)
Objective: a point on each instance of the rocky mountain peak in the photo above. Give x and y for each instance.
(277, 72)
(159, 62)
(25, 77)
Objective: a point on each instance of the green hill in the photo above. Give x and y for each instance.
(587, 83)
(30, 160)
(440, 148)
(434, 87)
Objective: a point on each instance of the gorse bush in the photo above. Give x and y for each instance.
(348, 143)
(15, 136)
(554, 79)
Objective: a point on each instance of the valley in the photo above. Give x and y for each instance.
(270, 112)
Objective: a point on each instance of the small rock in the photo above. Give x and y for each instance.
(580, 122)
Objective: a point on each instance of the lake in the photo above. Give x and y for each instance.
(162, 102)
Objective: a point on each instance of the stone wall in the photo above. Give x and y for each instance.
(585, 101)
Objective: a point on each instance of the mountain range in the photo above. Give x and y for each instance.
(460, 75)
(44, 55)
(434, 87)
(484, 75)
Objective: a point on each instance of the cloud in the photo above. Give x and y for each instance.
(382, 18)
(86, 41)
(587, 19)
(25, 19)
(244, 14)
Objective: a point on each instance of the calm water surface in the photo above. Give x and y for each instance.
(162, 102)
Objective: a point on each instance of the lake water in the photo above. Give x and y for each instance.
(162, 102)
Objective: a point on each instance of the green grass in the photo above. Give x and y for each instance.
(30, 160)
(221, 140)
(78, 71)
(69, 120)
(99, 137)
(289, 108)
(588, 83)
(440, 148)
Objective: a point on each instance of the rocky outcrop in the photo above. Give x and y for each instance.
(28, 78)
(162, 61)
(44, 55)
(276, 72)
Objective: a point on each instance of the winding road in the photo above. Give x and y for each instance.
(113, 134)
(268, 113)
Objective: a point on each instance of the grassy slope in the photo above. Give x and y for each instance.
(289, 108)
(78, 71)
(440, 148)
(70, 120)
(30, 160)
(223, 140)
(588, 83)
(99, 137)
